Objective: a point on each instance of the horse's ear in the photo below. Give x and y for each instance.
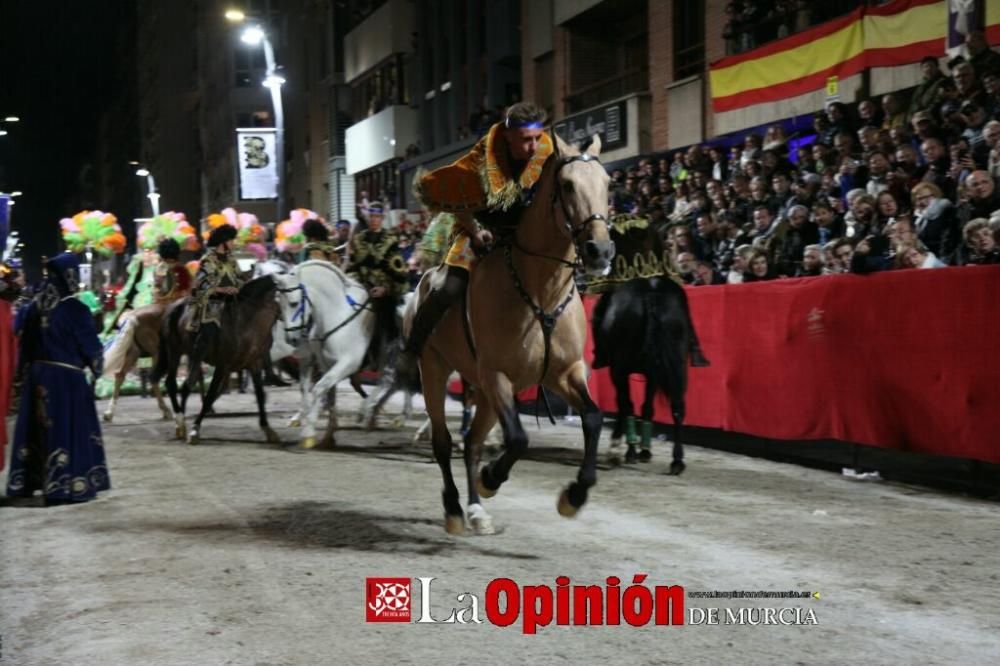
(562, 148)
(594, 149)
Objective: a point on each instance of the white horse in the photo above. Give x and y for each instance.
(328, 322)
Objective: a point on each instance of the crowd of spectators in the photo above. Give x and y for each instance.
(908, 180)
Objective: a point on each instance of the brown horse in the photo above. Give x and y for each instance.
(526, 325)
(243, 343)
(139, 337)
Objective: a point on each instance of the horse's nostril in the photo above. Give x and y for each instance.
(590, 247)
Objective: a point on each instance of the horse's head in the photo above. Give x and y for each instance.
(295, 307)
(581, 195)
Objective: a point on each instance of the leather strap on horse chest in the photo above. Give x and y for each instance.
(547, 320)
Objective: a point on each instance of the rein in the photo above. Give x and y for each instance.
(547, 320)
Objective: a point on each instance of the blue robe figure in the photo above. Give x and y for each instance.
(57, 441)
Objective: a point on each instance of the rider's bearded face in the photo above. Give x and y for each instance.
(523, 142)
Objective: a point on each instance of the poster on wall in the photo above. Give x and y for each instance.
(608, 121)
(258, 166)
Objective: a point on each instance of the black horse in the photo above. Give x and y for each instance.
(644, 327)
(243, 342)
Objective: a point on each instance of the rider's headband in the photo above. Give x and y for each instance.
(509, 123)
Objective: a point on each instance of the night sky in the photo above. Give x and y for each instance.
(58, 71)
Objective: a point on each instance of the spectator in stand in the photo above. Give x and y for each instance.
(843, 251)
(907, 167)
(936, 221)
(741, 264)
(892, 112)
(975, 122)
(980, 245)
(991, 136)
(860, 218)
(926, 95)
(960, 157)
(763, 220)
(969, 88)
(813, 263)
(790, 239)
(981, 57)
(752, 144)
(982, 198)
(720, 167)
(886, 209)
(685, 266)
(868, 139)
(732, 28)
(705, 274)
(936, 166)
(878, 173)
(840, 122)
(869, 114)
(917, 256)
(760, 270)
(991, 88)
(781, 185)
(829, 225)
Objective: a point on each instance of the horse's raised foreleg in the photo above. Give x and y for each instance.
(500, 394)
(435, 374)
(573, 388)
(482, 424)
(257, 377)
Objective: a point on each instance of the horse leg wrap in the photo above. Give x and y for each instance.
(630, 435)
(647, 435)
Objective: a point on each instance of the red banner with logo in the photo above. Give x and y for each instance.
(903, 359)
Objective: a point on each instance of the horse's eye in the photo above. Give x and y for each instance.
(568, 186)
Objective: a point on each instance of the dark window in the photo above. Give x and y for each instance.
(689, 39)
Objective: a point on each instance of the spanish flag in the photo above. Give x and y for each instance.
(899, 33)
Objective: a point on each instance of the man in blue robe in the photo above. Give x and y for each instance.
(57, 440)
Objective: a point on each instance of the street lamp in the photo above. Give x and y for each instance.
(254, 35)
(152, 194)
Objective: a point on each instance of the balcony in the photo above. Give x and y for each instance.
(381, 137)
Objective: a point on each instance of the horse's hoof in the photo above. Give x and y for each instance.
(454, 525)
(482, 489)
(180, 432)
(565, 508)
(166, 416)
(108, 416)
(370, 424)
(480, 521)
(294, 422)
(328, 443)
(194, 439)
(677, 467)
(631, 456)
(307, 443)
(645, 455)
(271, 436)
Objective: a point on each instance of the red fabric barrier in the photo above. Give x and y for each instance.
(8, 355)
(903, 359)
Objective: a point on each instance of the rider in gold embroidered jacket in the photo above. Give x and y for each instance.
(377, 263)
(486, 190)
(217, 280)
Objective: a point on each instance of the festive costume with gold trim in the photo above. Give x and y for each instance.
(215, 272)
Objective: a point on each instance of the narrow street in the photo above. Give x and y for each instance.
(239, 552)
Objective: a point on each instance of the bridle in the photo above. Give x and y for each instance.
(304, 311)
(547, 320)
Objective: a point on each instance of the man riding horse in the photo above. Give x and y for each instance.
(486, 191)
(218, 279)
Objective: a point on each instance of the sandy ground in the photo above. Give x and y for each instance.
(238, 552)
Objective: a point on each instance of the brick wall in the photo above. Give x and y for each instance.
(715, 48)
(661, 66)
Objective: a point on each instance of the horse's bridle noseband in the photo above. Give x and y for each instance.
(574, 231)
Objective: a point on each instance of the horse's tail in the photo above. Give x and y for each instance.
(116, 351)
(171, 321)
(667, 338)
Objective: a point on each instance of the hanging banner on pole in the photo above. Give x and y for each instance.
(255, 154)
(4, 223)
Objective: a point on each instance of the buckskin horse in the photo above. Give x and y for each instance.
(526, 325)
(138, 337)
(243, 342)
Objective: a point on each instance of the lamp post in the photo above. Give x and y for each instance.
(254, 35)
(152, 194)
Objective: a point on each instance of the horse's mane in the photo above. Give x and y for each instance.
(337, 270)
(257, 288)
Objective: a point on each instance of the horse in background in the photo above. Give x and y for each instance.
(643, 326)
(138, 337)
(328, 323)
(243, 342)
